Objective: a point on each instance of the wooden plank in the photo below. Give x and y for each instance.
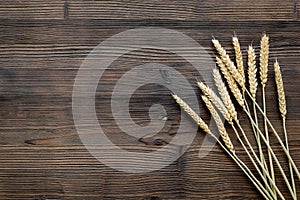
(71, 172)
(40, 152)
(238, 10)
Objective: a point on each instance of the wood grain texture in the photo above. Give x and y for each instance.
(42, 45)
(180, 10)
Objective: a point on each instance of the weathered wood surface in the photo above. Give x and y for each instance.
(42, 45)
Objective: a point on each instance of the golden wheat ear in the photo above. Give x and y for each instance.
(191, 113)
(231, 83)
(219, 123)
(252, 72)
(264, 59)
(280, 89)
(224, 94)
(238, 56)
(229, 64)
(212, 96)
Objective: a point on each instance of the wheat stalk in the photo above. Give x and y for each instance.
(264, 60)
(231, 83)
(227, 61)
(211, 95)
(219, 123)
(283, 111)
(239, 56)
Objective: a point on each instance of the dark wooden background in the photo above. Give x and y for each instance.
(42, 45)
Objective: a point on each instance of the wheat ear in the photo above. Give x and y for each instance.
(224, 94)
(238, 56)
(227, 61)
(231, 83)
(280, 90)
(252, 71)
(191, 113)
(283, 111)
(264, 60)
(211, 95)
(219, 123)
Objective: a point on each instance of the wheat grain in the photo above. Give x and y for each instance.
(219, 123)
(224, 94)
(264, 59)
(238, 56)
(191, 113)
(231, 83)
(252, 72)
(231, 67)
(280, 89)
(211, 95)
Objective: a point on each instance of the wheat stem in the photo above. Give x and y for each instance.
(262, 159)
(283, 111)
(246, 170)
(257, 160)
(261, 154)
(273, 156)
(290, 164)
(278, 138)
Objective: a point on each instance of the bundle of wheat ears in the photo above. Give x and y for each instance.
(263, 158)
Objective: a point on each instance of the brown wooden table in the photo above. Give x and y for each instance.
(42, 45)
